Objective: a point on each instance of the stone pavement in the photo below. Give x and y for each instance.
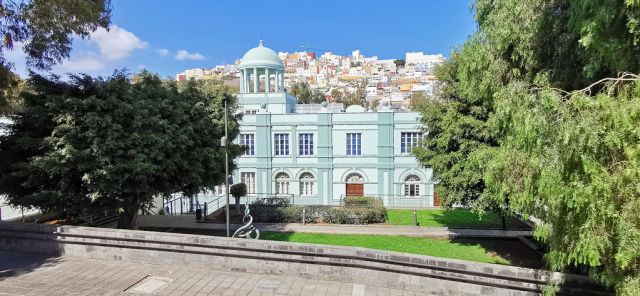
(25, 274)
(189, 222)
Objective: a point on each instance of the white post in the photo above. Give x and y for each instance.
(267, 80)
(282, 80)
(277, 82)
(241, 81)
(255, 80)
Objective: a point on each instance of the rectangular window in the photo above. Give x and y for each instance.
(354, 144)
(411, 189)
(305, 144)
(249, 179)
(409, 140)
(281, 144)
(248, 141)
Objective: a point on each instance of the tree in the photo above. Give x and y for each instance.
(238, 190)
(45, 30)
(352, 98)
(400, 63)
(111, 144)
(305, 94)
(506, 133)
(417, 101)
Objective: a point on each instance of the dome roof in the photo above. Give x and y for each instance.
(261, 57)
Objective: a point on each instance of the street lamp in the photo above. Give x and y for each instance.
(223, 142)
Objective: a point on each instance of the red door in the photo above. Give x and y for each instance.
(355, 189)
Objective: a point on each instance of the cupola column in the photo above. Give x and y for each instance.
(242, 81)
(277, 81)
(267, 80)
(282, 80)
(255, 80)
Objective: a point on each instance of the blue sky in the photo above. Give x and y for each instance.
(169, 36)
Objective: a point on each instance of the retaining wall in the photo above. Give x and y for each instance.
(378, 268)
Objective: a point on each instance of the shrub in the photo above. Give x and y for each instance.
(362, 201)
(238, 190)
(273, 201)
(318, 214)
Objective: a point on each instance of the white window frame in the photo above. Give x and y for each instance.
(249, 142)
(307, 184)
(354, 144)
(281, 144)
(412, 186)
(305, 149)
(249, 179)
(282, 183)
(409, 140)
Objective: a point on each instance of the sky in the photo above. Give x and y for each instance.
(168, 37)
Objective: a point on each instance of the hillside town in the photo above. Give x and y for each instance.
(379, 81)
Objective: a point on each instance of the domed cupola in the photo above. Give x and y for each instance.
(261, 71)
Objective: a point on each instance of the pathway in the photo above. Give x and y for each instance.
(22, 274)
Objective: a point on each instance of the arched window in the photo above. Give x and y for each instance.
(282, 183)
(306, 184)
(412, 186)
(354, 178)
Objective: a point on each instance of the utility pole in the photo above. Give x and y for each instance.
(226, 167)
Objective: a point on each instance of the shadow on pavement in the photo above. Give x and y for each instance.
(13, 264)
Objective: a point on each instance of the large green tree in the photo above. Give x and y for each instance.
(507, 132)
(44, 28)
(114, 143)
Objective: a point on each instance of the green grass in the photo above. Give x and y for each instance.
(454, 218)
(464, 250)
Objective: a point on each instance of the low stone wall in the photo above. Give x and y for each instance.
(378, 268)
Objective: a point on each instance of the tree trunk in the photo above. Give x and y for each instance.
(504, 222)
(129, 218)
(237, 205)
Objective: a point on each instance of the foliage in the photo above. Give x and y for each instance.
(45, 30)
(572, 160)
(113, 144)
(417, 101)
(463, 250)
(452, 218)
(273, 201)
(400, 63)
(362, 201)
(504, 134)
(238, 190)
(305, 94)
(349, 98)
(458, 138)
(278, 213)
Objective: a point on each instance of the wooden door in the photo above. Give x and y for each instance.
(355, 189)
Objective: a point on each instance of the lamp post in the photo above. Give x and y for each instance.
(226, 168)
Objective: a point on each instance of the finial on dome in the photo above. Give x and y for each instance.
(261, 44)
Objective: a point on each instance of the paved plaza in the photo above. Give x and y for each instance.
(22, 274)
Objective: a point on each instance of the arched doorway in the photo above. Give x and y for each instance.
(354, 185)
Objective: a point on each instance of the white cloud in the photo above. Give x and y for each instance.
(162, 51)
(90, 62)
(185, 55)
(117, 43)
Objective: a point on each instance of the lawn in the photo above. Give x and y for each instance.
(460, 249)
(454, 218)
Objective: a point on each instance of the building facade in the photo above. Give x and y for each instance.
(319, 155)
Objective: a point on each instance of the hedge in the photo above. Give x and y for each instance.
(360, 210)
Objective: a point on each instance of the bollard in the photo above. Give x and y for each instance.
(304, 216)
(415, 217)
